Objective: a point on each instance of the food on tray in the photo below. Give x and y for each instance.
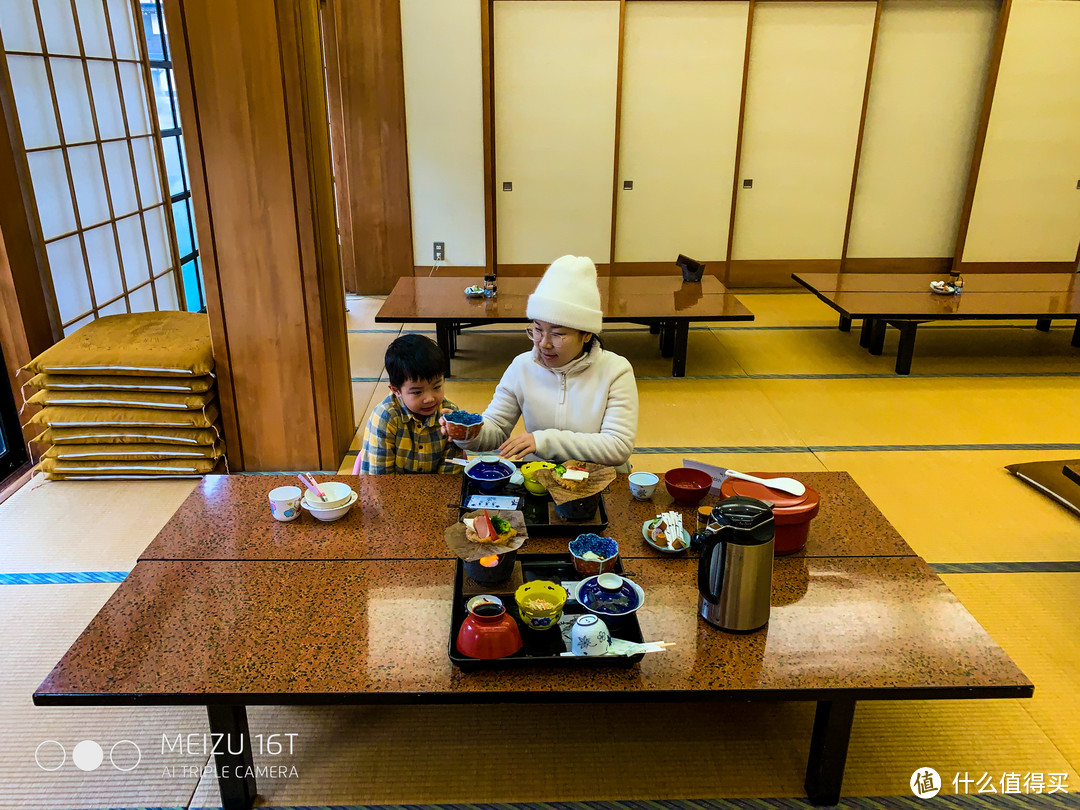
(667, 530)
(539, 604)
(503, 531)
(592, 555)
(571, 475)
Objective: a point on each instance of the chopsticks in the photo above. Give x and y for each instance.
(309, 482)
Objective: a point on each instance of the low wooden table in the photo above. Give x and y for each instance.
(666, 304)
(229, 609)
(904, 300)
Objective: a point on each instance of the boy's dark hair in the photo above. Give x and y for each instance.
(413, 357)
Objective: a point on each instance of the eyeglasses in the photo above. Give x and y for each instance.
(536, 336)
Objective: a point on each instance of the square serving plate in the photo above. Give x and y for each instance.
(542, 647)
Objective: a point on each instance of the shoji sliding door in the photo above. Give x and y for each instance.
(96, 180)
(1027, 198)
(930, 66)
(807, 77)
(556, 74)
(681, 87)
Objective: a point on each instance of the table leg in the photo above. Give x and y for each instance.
(654, 328)
(906, 350)
(877, 338)
(1076, 334)
(236, 772)
(682, 334)
(442, 337)
(1043, 324)
(667, 339)
(867, 331)
(455, 330)
(828, 751)
(845, 324)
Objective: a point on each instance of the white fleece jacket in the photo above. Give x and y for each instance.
(585, 410)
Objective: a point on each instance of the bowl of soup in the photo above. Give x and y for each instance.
(687, 485)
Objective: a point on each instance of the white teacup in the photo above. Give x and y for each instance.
(589, 636)
(643, 485)
(285, 503)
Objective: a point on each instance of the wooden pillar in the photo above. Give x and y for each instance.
(253, 105)
(26, 329)
(367, 104)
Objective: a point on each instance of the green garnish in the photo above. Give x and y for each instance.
(560, 470)
(501, 525)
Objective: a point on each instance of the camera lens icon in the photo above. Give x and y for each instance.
(50, 755)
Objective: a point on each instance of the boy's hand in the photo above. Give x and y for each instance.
(517, 447)
(442, 421)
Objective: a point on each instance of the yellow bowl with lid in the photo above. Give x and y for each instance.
(540, 604)
(529, 471)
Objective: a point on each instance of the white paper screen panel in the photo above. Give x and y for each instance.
(18, 24)
(556, 66)
(1027, 204)
(444, 108)
(681, 86)
(930, 68)
(807, 75)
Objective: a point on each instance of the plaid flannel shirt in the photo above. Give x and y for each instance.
(398, 441)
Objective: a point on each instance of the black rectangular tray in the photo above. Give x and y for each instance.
(541, 647)
(536, 512)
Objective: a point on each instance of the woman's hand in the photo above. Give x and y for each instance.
(517, 447)
(442, 421)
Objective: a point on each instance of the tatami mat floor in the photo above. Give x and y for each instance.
(788, 392)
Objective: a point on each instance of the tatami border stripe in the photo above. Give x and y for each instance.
(1014, 801)
(719, 325)
(965, 375)
(1063, 567)
(63, 577)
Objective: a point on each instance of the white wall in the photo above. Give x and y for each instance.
(925, 97)
(445, 123)
(1027, 204)
(682, 81)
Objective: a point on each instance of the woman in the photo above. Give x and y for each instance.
(578, 400)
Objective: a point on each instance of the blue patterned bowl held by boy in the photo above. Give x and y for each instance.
(463, 426)
(593, 554)
(589, 636)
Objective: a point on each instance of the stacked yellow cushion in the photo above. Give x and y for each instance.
(129, 396)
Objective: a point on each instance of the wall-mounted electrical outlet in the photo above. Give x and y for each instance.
(627, 185)
(440, 251)
(748, 183)
(508, 186)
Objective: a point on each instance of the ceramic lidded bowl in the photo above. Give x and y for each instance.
(610, 596)
(490, 474)
(540, 604)
(606, 549)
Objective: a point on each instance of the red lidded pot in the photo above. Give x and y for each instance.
(792, 513)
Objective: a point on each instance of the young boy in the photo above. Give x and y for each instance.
(403, 435)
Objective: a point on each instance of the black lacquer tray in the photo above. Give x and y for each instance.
(541, 647)
(539, 512)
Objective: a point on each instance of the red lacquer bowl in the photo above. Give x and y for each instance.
(488, 632)
(687, 485)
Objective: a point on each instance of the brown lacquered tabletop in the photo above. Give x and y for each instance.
(421, 299)
(969, 305)
(920, 282)
(405, 516)
(371, 631)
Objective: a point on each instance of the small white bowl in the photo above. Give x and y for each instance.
(336, 493)
(329, 515)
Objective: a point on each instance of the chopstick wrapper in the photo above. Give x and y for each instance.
(469, 551)
(600, 478)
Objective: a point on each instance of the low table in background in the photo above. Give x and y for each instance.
(666, 304)
(904, 300)
(228, 608)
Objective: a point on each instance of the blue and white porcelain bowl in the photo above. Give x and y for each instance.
(610, 596)
(606, 549)
(489, 473)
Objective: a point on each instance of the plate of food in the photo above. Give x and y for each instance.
(942, 288)
(474, 291)
(666, 534)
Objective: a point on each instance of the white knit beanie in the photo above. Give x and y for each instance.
(567, 295)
